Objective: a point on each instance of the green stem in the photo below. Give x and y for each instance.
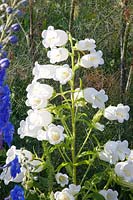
(84, 141)
(73, 113)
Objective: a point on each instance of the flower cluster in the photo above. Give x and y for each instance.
(7, 30)
(115, 151)
(124, 169)
(39, 122)
(67, 193)
(18, 163)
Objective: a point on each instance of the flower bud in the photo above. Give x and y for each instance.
(19, 13)
(4, 63)
(15, 27)
(13, 39)
(9, 10)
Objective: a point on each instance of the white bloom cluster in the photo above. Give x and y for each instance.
(119, 112)
(36, 120)
(67, 193)
(25, 158)
(55, 38)
(115, 151)
(96, 98)
(125, 169)
(109, 194)
(94, 58)
(63, 73)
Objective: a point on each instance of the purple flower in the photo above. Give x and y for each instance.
(17, 193)
(15, 167)
(4, 63)
(15, 27)
(1, 46)
(3, 54)
(13, 39)
(19, 13)
(9, 10)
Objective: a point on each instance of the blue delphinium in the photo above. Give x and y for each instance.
(10, 11)
(17, 193)
(15, 167)
(5, 110)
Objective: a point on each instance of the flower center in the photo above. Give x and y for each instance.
(55, 136)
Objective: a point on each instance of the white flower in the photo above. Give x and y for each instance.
(57, 55)
(92, 60)
(87, 44)
(41, 135)
(36, 166)
(96, 98)
(63, 195)
(122, 149)
(125, 170)
(99, 126)
(6, 176)
(26, 129)
(119, 113)
(40, 90)
(122, 113)
(38, 95)
(54, 134)
(43, 71)
(63, 74)
(110, 113)
(53, 38)
(24, 157)
(74, 189)
(62, 179)
(130, 157)
(36, 102)
(39, 118)
(115, 151)
(11, 154)
(109, 194)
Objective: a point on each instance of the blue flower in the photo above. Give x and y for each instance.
(15, 167)
(6, 127)
(4, 63)
(9, 10)
(17, 193)
(13, 39)
(2, 76)
(1, 140)
(15, 27)
(8, 132)
(19, 13)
